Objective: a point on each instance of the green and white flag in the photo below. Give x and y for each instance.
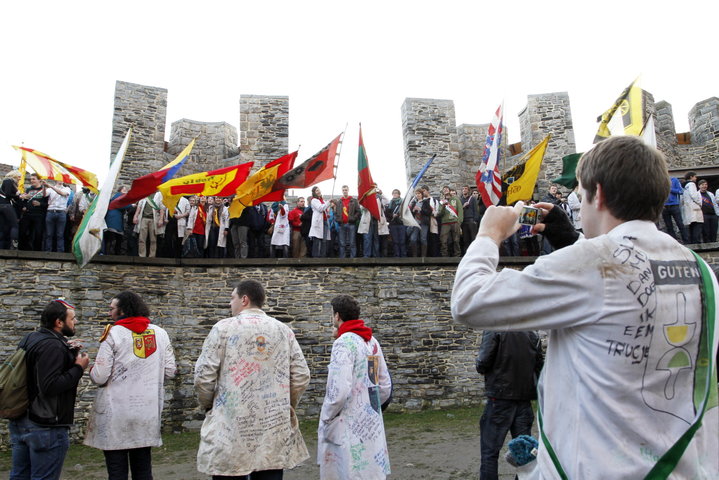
(88, 239)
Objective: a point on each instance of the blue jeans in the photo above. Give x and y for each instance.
(500, 417)
(319, 247)
(399, 239)
(674, 212)
(55, 228)
(347, 240)
(371, 241)
(37, 452)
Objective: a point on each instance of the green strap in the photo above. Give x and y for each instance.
(548, 445)
(152, 203)
(705, 368)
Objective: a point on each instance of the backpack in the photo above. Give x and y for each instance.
(14, 400)
(13, 385)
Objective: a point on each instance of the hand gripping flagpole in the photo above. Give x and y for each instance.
(339, 157)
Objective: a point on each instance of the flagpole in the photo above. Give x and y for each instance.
(339, 157)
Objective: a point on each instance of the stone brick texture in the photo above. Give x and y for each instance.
(406, 302)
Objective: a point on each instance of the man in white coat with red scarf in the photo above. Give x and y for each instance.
(134, 360)
(351, 442)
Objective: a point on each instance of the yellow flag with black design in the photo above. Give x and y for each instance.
(631, 104)
(522, 178)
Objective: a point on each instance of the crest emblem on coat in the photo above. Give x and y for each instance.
(144, 344)
(262, 348)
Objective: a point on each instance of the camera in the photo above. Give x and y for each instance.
(529, 216)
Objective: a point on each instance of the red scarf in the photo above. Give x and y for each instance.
(355, 326)
(136, 324)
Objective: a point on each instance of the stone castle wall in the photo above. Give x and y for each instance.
(144, 109)
(703, 151)
(429, 128)
(215, 144)
(407, 304)
(547, 114)
(264, 128)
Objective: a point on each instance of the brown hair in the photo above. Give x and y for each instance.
(633, 176)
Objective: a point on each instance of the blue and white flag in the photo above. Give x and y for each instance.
(489, 182)
(407, 217)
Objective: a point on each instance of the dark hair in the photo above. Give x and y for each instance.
(254, 291)
(346, 306)
(53, 311)
(702, 182)
(314, 189)
(131, 304)
(633, 176)
(689, 175)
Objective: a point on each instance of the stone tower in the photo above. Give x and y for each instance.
(215, 144)
(144, 109)
(704, 121)
(544, 114)
(429, 128)
(264, 128)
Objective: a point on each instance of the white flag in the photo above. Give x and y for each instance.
(88, 239)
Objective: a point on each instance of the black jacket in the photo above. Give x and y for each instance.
(510, 362)
(52, 378)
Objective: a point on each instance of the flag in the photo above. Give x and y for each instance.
(649, 135)
(256, 187)
(285, 163)
(569, 167)
(88, 239)
(147, 185)
(632, 105)
(47, 167)
(407, 218)
(318, 168)
(524, 175)
(488, 180)
(367, 189)
(222, 182)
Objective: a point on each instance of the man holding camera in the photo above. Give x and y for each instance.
(40, 438)
(628, 388)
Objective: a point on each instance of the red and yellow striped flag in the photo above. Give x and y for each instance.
(47, 167)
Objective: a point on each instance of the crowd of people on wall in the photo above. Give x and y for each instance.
(46, 216)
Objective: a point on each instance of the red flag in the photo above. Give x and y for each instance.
(367, 189)
(315, 170)
(285, 163)
(147, 184)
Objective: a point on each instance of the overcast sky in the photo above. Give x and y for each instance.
(340, 63)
